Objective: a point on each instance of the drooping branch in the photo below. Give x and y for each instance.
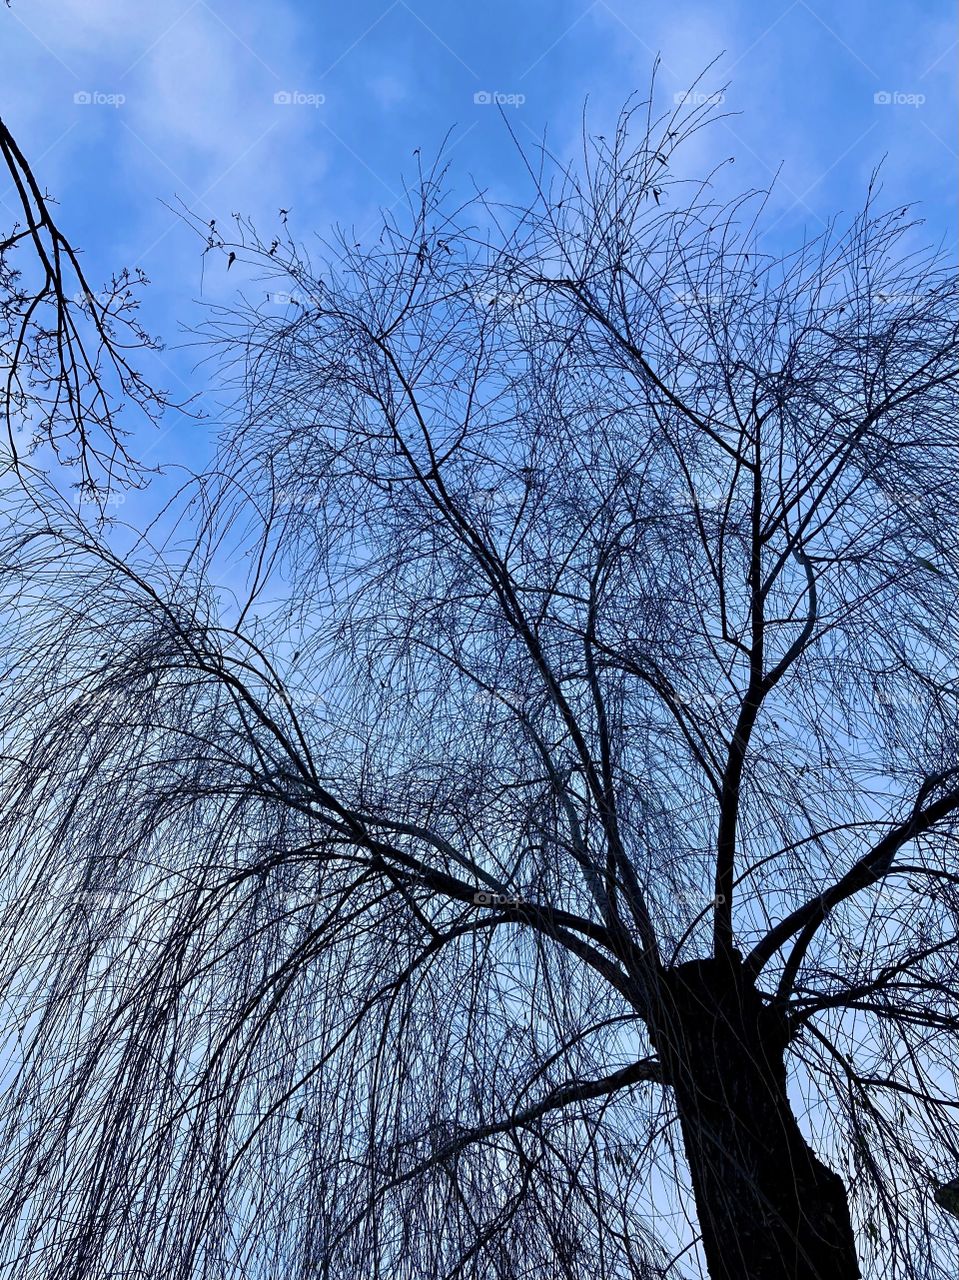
(869, 869)
(646, 1070)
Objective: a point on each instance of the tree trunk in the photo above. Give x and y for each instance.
(768, 1208)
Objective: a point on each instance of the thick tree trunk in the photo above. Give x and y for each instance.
(768, 1208)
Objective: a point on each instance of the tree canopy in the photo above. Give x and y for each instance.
(592, 621)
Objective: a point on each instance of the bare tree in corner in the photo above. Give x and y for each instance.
(66, 349)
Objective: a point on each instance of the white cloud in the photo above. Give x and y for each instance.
(388, 89)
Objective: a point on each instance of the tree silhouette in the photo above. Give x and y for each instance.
(544, 865)
(65, 347)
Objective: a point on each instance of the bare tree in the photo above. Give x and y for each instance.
(65, 348)
(545, 865)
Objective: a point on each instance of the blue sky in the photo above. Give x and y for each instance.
(231, 105)
(122, 105)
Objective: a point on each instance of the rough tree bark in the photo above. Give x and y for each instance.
(768, 1208)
